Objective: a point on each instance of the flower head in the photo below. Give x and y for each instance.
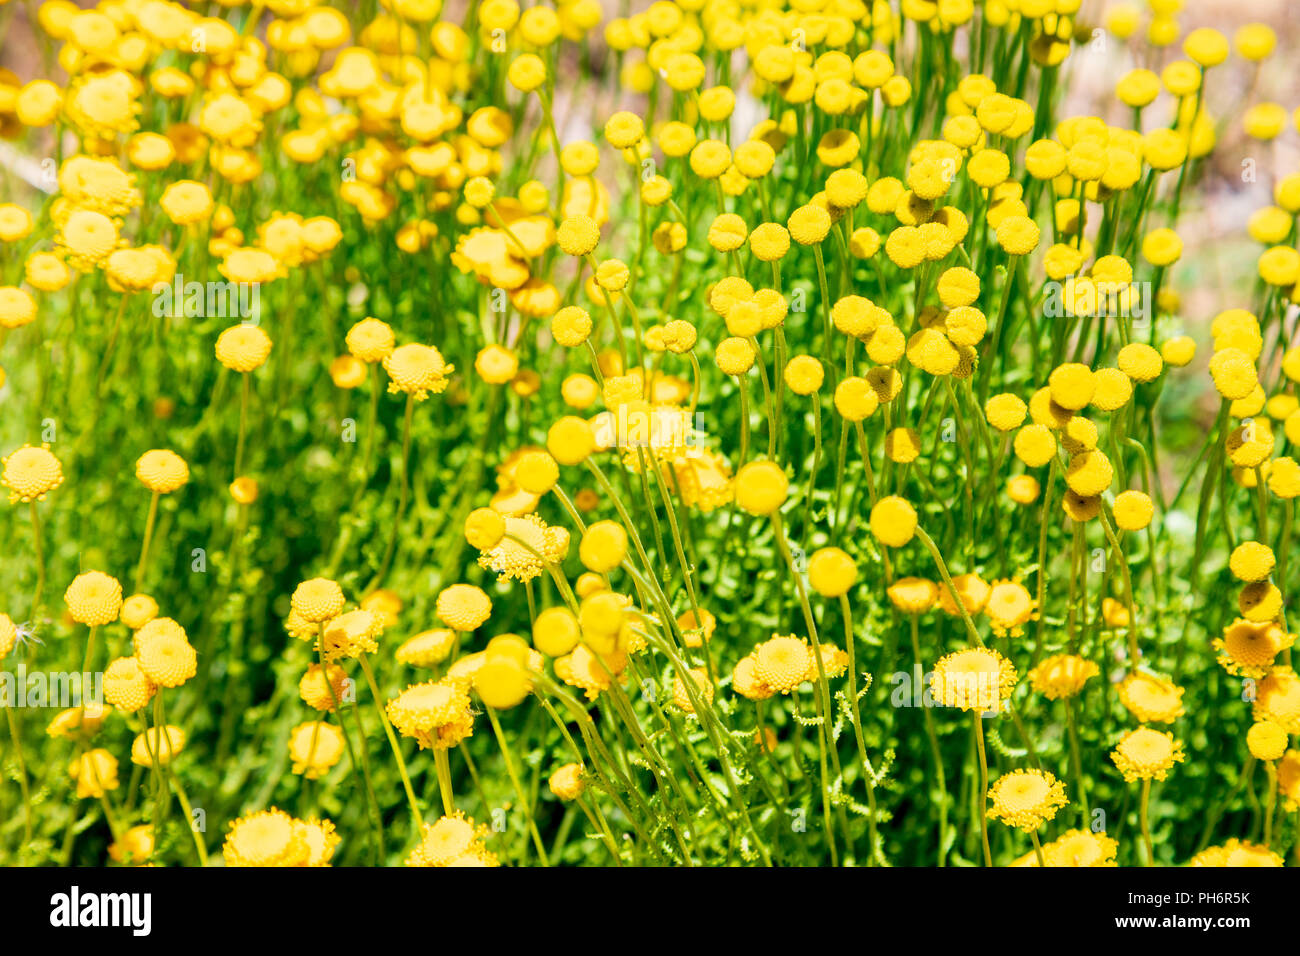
(30, 473)
(94, 598)
(162, 471)
(977, 679)
(1146, 754)
(1026, 799)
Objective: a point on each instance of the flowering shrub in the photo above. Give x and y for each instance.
(721, 433)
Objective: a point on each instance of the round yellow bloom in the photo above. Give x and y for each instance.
(94, 598)
(1072, 386)
(1151, 699)
(781, 664)
(438, 714)
(526, 72)
(1008, 607)
(855, 398)
(351, 634)
(318, 600)
(243, 348)
(1023, 489)
(126, 686)
(1062, 675)
(1035, 446)
(418, 370)
(17, 307)
(1081, 848)
(567, 782)
(1266, 740)
(266, 838)
(769, 241)
(314, 748)
(831, 572)
(804, 374)
(976, 679)
(808, 225)
(8, 635)
(166, 657)
(1234, 373)
(452, 841)
(1026, 799)
(463, 607)
(1208, 47)
(370, 340)
(1005, 412)
(1252, 561)
(1018, 235)
(31, 473)
(761, 487)
(1146, 754)
(186, 201)
(624, 130)
(578, 235)
(893, 521)
(703, 689)
(162, 471)
(1133, 510)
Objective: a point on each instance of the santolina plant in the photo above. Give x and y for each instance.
(690, 434)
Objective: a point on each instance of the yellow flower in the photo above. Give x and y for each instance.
(452, 841)
(162, 471)
(418, 370)
(1062, 675)
(88, 237)
(1152, 700)
(95, 772)
(133, 847)
(427, 649)
(1237, 853)
(1133, 510)
(1146, 754)
(781, 664)
(243, 348)
(624, 130)
(186, 202)
(152, 744)
(436, 713)
(1026, 799)
(463, 607)
(578, 235)
(1018, 235)
(528, 543)
(315, 748)
(1252, 561)
(893, 521)
(567, 782)
(1266, 740)
(351, 634)
(1009, 607)
(1277, 698)
(31, 473)
(976, 679)
(266, 838)
(94, 598)
(831, 572)
(761, 487)
(1081, 848)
